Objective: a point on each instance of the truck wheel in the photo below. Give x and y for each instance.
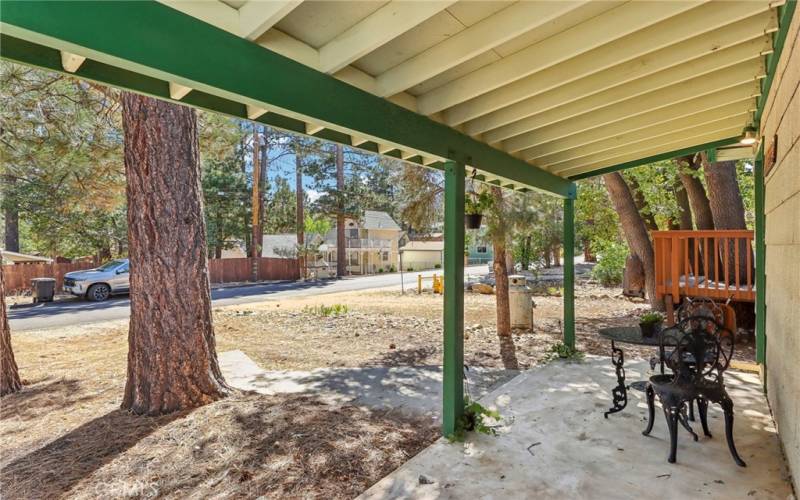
(98, 292)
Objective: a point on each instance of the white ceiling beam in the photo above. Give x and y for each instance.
(742, 73)
(357, 141)
(735, 153)
(405, 154)
(385, 148)
(257, 17)
(380, 27)
(643, 138)
(484, 35)
(71, 62)
(313, 128)
(254, 112)
(744, 57)
(738, 110)
(743, 95)
(212, 12)
(178, 91)
(560, 93)
(599, 30)
(679, 143)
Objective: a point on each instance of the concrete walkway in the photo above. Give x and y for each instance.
(414, 389)
(556, 444)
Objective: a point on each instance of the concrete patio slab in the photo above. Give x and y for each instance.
(556, 444)
(415, 389)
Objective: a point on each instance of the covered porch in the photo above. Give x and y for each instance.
(588, 89)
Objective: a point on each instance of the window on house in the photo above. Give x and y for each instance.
(354, 259)
(352, 233)
(481, 249)
(385, 256)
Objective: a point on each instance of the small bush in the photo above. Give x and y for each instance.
(563, 351)
(392, 269)
(327, 311)
(610, 264)
(476, 418)
(437, 266)
(380, 270)
(410, 270)
(651, 318)
(555, 291)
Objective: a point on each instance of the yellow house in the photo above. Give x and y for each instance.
(371, 244)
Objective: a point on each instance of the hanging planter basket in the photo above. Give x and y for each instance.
(473, 221)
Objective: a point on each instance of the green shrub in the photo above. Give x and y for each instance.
(410, 269)
(437, 266)
(476, 418)
(323, 310)
(563, 351)
(610, 264)
(392, 269)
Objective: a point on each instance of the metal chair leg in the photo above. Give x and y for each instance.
(702, 409)
(727, 407)
(651, 409)
(691, 411)
(672, 423)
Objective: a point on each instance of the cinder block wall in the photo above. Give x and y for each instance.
(782, 206)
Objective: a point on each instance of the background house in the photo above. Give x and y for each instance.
(371, 243)
(479, 249)
(419, 255)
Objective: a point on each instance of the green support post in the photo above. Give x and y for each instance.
(760, 247)
(569, 272)
(453, 369)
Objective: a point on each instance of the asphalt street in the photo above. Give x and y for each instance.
(77, 311)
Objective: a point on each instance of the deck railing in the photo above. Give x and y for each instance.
(716, 264)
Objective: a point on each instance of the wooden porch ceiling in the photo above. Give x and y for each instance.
(569, 88)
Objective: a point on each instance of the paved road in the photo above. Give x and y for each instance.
(71, 312)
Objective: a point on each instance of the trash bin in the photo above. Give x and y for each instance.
(521, 302)
(43, 289)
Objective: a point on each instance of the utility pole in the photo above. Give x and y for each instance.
(255, 247)
(341, 257)
(300, 208)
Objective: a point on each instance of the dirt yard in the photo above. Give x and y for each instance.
(65, 436)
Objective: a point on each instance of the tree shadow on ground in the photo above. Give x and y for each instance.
(407, 357)
(42, 396)
(295, 447)
(53, 470)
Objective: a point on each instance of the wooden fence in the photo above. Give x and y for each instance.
(18, 276)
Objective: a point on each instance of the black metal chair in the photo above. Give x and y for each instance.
(700, 353)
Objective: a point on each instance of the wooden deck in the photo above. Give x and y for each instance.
(716, 264)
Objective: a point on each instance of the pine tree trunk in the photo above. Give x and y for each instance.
(257, 239)
(727, 209)
(703, 220)
(341, 251)
(9, 373)
(635, 231)
(503, 307)
(12, 229)
(172, 360)
(685, 219)
(641, 206)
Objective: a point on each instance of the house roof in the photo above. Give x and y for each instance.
(374, 219)
(14, 257)
(423, 246)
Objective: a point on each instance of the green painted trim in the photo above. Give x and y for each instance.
(453, 359)
(761, 259)
(149, 39)
(569, 272)
(785, 14)
(662, 156)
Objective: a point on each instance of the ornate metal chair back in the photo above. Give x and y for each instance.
(701, 350)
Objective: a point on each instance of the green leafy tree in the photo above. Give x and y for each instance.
(227, 203)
